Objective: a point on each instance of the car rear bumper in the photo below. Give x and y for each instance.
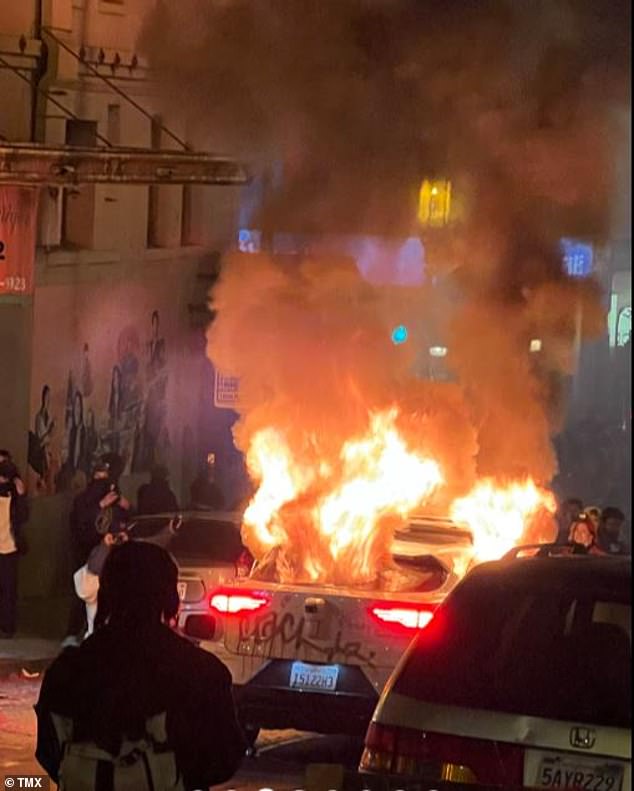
(268, 702)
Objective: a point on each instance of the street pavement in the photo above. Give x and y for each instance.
(281, 762)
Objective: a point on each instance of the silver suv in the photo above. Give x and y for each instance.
(522, 678)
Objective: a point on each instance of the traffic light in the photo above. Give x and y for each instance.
(399, 334)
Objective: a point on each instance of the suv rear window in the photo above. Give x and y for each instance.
(545, 653)
(198, 540)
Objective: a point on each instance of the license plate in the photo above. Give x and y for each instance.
(182, 590)
(319, 678)
(562, 771)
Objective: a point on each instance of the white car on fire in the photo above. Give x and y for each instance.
(315, 657)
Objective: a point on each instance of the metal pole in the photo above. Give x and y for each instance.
(69, 113)
(576, 380)
(116, 89)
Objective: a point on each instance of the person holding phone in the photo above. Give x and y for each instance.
(99, 513)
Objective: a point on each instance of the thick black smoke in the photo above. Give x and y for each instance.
(360, 99)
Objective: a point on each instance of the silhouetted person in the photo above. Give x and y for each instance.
(156, 497)
(610, 537)
(566, 516)
(13, 514)
(135, 678)
(205, 492)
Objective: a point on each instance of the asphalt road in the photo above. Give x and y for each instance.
(284, 761)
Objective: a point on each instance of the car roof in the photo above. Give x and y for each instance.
(591, 573)
(433, 528)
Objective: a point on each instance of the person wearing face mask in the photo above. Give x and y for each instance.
(99, 513)
(13, 514)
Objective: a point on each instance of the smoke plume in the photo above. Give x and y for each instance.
(359, 100)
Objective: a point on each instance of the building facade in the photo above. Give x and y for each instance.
(104, 344)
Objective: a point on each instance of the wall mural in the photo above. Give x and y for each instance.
(113, 399)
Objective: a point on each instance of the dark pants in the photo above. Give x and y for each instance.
(8, 592)
(77, 623)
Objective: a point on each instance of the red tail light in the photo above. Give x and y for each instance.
(439, 756)
(402, 616)
(235, 601)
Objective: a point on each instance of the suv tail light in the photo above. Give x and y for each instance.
(402, 616)
(439, 756)
(235, 601)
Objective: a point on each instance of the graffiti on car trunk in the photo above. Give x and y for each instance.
(286, 629)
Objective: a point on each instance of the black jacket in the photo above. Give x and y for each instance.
(18, 514)
(120, 677)
(83, 520)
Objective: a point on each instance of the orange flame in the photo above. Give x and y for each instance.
(502, 516)
(332, 522)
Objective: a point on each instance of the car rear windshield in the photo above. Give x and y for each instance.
(198, 540)
(545, 653)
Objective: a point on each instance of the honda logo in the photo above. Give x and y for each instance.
(583, 737)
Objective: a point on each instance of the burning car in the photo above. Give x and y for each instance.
(314, 656)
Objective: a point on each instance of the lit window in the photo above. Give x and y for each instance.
(434, 203)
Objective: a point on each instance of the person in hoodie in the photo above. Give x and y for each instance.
(133, 672)
(156, 497)
(98, 511)
(13, 514)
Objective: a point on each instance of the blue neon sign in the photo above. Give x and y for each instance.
(578, 257)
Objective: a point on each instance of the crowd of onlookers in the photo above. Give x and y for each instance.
(99, 517)
(599, 530)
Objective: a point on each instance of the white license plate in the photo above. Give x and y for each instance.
(182, 590)
(568, 771)
(319, 678)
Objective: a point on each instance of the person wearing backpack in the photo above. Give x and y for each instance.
(136, 706)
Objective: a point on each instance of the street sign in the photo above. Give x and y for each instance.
(226, 391)
(18, 227)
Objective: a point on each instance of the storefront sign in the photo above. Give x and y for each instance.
(18, 228)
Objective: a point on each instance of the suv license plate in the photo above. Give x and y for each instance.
(319, 678)
(566, 772)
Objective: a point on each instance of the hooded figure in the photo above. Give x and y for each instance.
(136, 683)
